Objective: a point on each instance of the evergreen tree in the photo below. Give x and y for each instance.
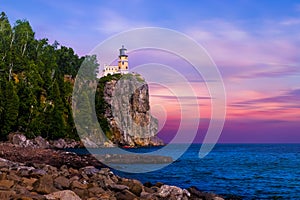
(34, 96)
(56, 118)
(6, 40)
(11, 109)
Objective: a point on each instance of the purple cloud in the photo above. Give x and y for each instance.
(289, 99)
(179, 97)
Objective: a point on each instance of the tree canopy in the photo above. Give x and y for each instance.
(35, 96)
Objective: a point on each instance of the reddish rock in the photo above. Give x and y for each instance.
(30, 196)
(29, 181)
(55, 158)
(44, 185)
(94, 191)
(126, 195)
(135, 186)
(6, 184)
(107, 196)
(118, 187)
(7, 194)
(63, 195)
(77, 184)
(3, 176)
(81, 192)
(62, 182)
(12, 176)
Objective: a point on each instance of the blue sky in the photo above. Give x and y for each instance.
(255, 45)
(69, 21)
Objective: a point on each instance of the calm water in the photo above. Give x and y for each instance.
(252, 171)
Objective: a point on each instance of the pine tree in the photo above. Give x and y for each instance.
(34, 97)
(11, 109)
(56, 120)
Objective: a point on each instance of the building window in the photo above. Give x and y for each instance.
(122, 62)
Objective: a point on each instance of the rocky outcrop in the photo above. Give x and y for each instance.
(65, 143)
(20, 139)
(45, 182)
(39, 150)
(128, 112)
(57, 158)
(133, 159)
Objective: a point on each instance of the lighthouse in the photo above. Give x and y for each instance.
(123, 61)
(122, 67)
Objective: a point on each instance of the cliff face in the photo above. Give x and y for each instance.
(127, 112)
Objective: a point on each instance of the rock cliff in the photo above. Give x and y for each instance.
(125, 107)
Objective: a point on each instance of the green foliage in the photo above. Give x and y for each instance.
(34, 96)
(101, 105)
(137, 77)
(11, 105)
(67, 60)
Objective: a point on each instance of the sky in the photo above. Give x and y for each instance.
(254, 44)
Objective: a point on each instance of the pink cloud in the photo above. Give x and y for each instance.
(246, 50)
(284, 106)
(277, 71)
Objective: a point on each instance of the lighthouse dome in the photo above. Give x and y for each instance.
(123, 51)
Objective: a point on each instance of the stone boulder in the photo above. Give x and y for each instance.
(88, 143)
(44, 185)
(41, 142)
(6, 184)
(126, 195)
(17, 139)
(7, 194)
(63, 195)
(134, 186)
(89, 170)
(59, 144)
(71, 143)
(173, 192)
(195, 193)
(7, 163)
(156, 141)
(62, 182)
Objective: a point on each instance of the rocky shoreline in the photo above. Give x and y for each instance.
(42, 181)
(19, 139)
(39, 173)
(68, 181)
(30, 156)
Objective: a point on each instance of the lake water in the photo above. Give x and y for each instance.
(251, 171)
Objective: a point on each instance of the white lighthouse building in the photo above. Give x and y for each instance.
(121, 68)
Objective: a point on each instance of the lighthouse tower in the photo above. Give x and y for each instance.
(121, 68)
(123, 61)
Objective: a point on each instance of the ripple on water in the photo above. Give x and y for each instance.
(252, 171)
